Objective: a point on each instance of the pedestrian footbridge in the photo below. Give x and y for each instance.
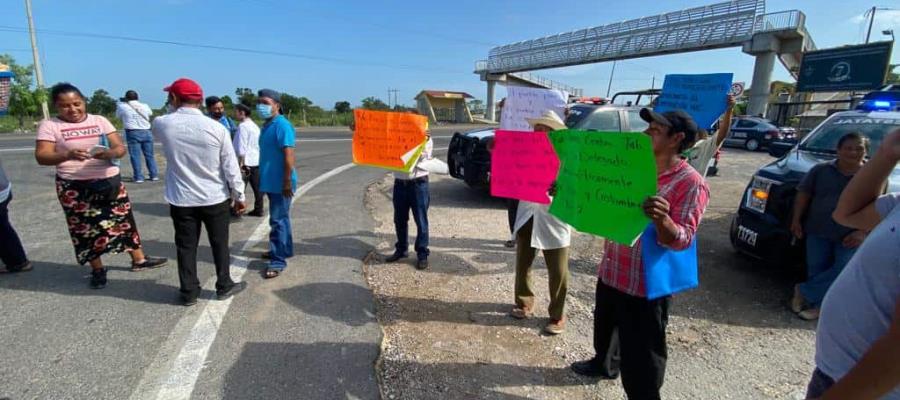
(736, 23)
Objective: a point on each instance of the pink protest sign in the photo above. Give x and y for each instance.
(523, 166)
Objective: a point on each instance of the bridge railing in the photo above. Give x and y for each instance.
(779, 21)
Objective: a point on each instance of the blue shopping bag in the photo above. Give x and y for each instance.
(667, 271)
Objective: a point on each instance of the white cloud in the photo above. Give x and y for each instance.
(884, 19)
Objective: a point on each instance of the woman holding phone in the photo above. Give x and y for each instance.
(83, 147)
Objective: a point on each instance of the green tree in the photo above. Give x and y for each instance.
(893, 77)
(24, 101)
(374, 103)
(476, 106)
(101, 103)
(342, 107)
(246, 96)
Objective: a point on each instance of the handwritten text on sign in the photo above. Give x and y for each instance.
(523, 103)
(382, 138)
(604, 179)
(701, 96)
(523, 166)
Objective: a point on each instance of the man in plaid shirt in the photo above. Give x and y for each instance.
(629, 329)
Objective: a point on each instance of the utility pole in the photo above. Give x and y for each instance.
(871, 20)
(611, 72)
(38, 73)
(392, 92)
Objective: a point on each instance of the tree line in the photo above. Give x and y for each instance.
(25, 103)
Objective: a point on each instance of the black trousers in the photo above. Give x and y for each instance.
(630, 337)
(188, 220)
(512, 208)
(11, 251)
(258, 197)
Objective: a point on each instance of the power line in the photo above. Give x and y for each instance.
(233, 49)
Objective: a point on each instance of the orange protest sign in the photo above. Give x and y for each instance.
(387, 139)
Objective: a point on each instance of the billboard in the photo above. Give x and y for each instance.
(5, 82)
(861, 67)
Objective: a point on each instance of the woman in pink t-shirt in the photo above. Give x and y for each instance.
(97, 209)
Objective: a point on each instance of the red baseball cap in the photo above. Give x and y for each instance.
(185, 89)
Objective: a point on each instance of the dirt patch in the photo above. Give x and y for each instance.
(447, 333)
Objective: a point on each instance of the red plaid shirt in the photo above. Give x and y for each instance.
(686, 191)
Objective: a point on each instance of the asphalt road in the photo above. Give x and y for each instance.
(279, 339)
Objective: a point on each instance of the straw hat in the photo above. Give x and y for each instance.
(548, 118)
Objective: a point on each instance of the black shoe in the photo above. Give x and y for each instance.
(188, 301)
(395, 257)
(98, 278)
(255, 213)
(230, 292)
(592, 368)
(422, 264)
(149, 263)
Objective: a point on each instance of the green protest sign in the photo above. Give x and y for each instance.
(604, 179)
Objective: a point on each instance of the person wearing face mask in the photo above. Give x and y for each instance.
(277, 178)
(203, 182)
(216, 109)
(88, 185)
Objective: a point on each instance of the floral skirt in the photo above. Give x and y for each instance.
(97, 225)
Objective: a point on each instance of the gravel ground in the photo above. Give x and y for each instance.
(447, 333)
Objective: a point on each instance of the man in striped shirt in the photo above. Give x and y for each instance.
(629, 329)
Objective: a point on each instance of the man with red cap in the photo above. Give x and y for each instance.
(203, 182)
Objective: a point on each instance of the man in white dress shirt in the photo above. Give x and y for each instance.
(411, 194)
(203, 181)
(135, 117)
(246, 146)
(536, 229)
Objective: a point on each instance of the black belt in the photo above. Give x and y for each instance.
(411, 181)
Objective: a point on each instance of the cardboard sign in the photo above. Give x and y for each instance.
(603, 181)
(523, 103)
(737, 89)
(701, 96)
(388, 140)
(523, 166)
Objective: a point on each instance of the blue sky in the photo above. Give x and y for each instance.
(367, 46)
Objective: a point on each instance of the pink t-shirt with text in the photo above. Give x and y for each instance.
(82, 135)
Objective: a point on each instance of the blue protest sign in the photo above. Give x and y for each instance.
(667, 271)
(701, 96)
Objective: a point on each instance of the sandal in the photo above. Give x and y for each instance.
(521, 313)
(271, 273)
(26, 266)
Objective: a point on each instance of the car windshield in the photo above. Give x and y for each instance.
(601, 120)
(825, 139)
(576, 114)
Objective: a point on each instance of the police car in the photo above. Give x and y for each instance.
(761, 227)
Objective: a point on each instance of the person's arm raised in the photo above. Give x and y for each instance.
(856, 207)
(725, 122)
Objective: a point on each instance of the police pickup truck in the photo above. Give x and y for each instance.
(761, 227)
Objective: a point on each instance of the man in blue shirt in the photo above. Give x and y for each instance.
(215, 108)
(277, 178)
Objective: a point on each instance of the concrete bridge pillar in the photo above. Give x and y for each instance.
(762, 79)
(489, 110)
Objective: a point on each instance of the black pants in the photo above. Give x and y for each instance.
(512, 208)
(258, 196)
(630, 336)
(11, 251)
(187, 222)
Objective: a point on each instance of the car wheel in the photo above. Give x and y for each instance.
(752, 145)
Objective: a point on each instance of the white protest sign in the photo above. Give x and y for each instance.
(737, 89)
(523, 103)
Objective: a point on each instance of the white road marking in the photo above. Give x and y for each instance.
(179, 382)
